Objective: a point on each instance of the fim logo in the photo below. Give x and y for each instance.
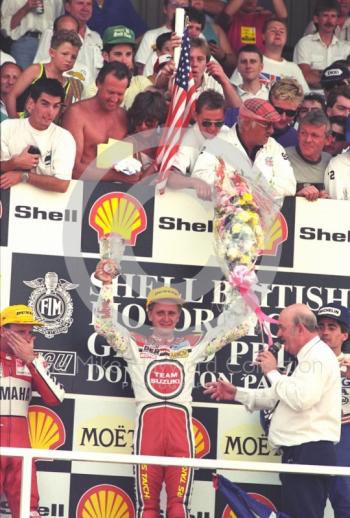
(228, 513)
(46, 430)
(118, 213)
(63, 363)
(105, 501)
(277, 234)
(201, 439)
(51, 303)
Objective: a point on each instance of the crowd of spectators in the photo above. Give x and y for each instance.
(249, 96)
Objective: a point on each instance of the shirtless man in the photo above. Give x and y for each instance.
(95, 120)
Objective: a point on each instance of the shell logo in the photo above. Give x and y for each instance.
(105, 501)
(46, 430)
(228, 513)
(201, 439)
(118, 213)
(277, 234)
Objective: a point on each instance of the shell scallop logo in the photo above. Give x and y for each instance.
(201, 439)
(228, 513)
(46, 430)
(118, 213)
(277, 234)
(105, 501)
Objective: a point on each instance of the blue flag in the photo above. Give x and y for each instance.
(243, 505)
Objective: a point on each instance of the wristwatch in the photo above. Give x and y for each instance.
(25, 177)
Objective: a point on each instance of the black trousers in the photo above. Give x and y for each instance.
(305, 496)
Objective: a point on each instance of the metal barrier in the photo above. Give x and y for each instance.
(28, 454)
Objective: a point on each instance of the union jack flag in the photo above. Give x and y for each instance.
(183, 96)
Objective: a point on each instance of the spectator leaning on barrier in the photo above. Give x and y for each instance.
(9, 74)
(334, 324)
(96, 120)
(35, 150)
(249, 144)
(146, 115)
(21, 371)
(306, 408)
(209, 117)
(337, 177)
(286, 97)
(308, 160)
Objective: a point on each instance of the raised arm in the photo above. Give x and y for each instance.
(280, 8)
(117, 336)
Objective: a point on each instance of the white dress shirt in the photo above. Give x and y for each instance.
(311, 50)
(271, 165)
(30, 22)
(309, 406)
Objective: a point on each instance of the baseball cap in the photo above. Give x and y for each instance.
(337, 312)
(165, 294)
(118, 34)
(259, 110)
(18, 314)
(334, 74)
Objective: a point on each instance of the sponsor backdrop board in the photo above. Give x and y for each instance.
(50, 248)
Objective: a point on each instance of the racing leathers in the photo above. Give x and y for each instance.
(17, 380)
(162, 374)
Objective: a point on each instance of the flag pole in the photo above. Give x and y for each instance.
(179, 29)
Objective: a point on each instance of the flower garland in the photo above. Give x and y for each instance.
(239, 239)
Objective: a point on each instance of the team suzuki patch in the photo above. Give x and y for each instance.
(165, 379)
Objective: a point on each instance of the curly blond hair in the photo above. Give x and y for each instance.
(287, 89)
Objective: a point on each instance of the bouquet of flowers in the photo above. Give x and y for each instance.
(239, 239)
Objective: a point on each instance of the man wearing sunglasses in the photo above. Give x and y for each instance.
(209, 118)
(286, 97)
(247, 147)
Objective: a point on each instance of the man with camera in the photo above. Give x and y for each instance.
(35, 150)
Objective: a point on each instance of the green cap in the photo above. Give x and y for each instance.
(118, 34)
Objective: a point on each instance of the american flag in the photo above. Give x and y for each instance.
(183, 96)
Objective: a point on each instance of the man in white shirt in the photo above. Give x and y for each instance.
(275, 67)
(337, 177)
(306, 409)
(35, 150)
(209, 117)
(250, 66)
(89, 59)
(249, 149)
(315, 52)
(20, 19)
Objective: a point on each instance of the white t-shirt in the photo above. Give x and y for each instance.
(271, 165)
(274, 71)
(6, 58)
(31, 21)
(337, 177)
(57, 146)
(147, 44)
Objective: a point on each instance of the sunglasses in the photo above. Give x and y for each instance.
(208, 124)
(306, 110)
(289, 113)
(338, 137)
